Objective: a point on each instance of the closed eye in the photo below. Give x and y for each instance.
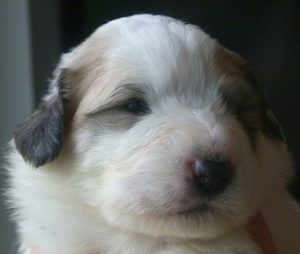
(127, 99)
(133, 106)
(136, 106)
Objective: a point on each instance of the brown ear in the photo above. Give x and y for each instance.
(245, 99)
(272, 127)
(39, 138)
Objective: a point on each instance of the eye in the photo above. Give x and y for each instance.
(137, 106)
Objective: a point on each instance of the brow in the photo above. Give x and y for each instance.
(119, 96)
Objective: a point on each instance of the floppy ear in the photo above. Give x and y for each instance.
(270, 125)
(247, 102)
(272, 128)
(39, 138)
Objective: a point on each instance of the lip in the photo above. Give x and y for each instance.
(196, 210)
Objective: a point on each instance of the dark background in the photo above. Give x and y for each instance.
(266, 33)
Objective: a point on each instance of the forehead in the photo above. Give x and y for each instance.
(161, 54)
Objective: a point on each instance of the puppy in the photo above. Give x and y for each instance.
(153, 138)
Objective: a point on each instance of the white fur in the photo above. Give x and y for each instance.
(91, 199)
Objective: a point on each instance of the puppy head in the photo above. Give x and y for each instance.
(165, 128)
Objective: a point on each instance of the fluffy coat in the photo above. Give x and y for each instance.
(125, 110)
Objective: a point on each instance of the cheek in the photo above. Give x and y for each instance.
(246, 189)
(146, 182)
(140, 171)
(92, 148)
(131, 171)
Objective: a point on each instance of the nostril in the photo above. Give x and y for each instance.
(200, 172)
(219, 167)
(210, 175)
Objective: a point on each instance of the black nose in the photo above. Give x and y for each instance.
(211, 176)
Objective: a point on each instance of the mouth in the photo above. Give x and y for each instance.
(199, 210)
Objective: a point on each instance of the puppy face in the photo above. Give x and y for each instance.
(163, 125)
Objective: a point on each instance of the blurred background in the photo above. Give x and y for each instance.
(33, 33)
